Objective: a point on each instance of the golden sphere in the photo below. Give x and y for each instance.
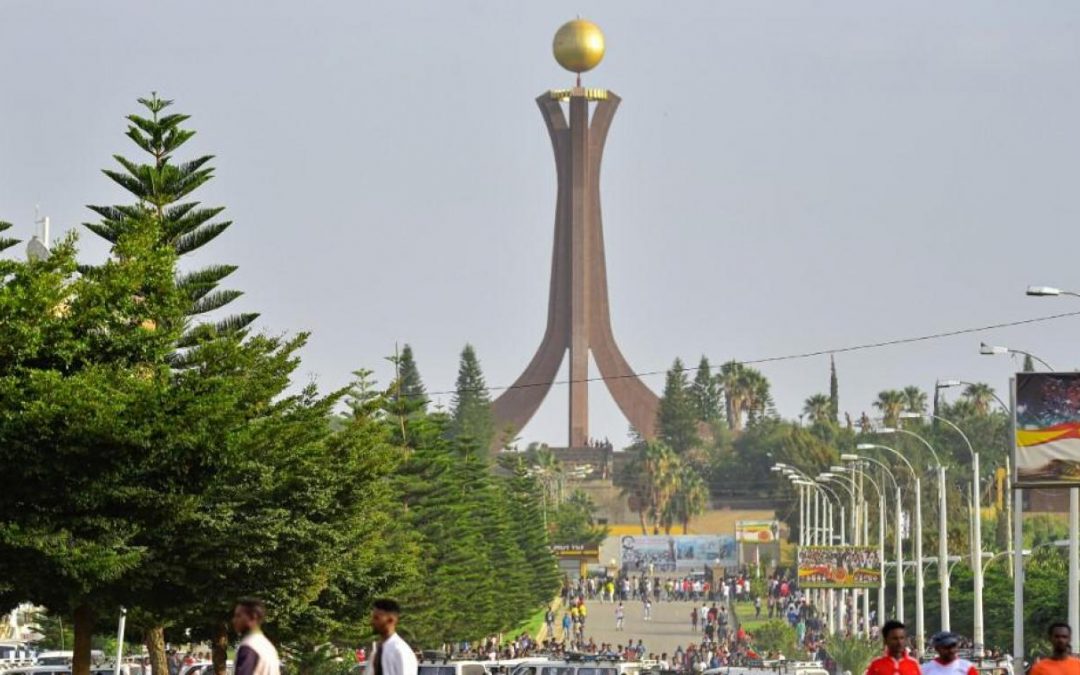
(578, 45)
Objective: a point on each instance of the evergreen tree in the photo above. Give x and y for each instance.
(6, 242)
(409, 385)
(458, 589)
(523, 494)
(834, 390)
(676, 420)
(706, 393)
(160, 186)
(471, 416)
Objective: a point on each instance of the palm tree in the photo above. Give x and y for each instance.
(980, 394)
(689, 500)
(914, 400)
(649, 481)
(759, 398)
(548, 471)
(891, 403)
(818, 408)
(733, 383)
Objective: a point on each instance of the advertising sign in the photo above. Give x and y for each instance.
(757, 531)
(839, 567)
(677, 552)
(1047, 448)
(575, 550)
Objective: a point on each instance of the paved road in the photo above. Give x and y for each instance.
(668, 629)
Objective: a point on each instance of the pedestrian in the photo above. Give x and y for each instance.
(620, 614)
(549, 621)
(757, 607)
(946, 663)
(896, 660)
(567, 622)
(1060, 662)
(393, 656)
(648, 609)
(693, 618)
(256, 654)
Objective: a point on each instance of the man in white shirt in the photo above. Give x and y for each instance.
(393, 656)
(256, 655)
(946, 663)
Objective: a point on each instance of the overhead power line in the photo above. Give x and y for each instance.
(796, 356)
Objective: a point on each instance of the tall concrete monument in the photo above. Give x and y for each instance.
(578, 319)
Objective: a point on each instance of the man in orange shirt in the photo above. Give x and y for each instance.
(896, 661)
(1060, 662)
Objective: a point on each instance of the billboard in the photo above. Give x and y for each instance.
(576, 550)
(1047, 423)
(839, 567)
(757, 531)
(670, 553)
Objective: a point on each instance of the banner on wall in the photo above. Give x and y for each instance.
(1047, 423)
(677, 552)
(757, 531)
(839, 567)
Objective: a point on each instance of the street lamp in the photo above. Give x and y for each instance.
(856, 470)
(995, 350)
(920, 587)
(976, 536)
(898, 543)
(1074, 506)
(943, 540)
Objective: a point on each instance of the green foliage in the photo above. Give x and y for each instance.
(572, 522)
(408, 385)
(851, 654)
(747, 395)
(774, 636)
(481, 576)
(676, 419)
(160, 185)
(6, 242)
(470, 410)
(706, 393)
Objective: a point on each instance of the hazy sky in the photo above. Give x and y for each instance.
(781, 177)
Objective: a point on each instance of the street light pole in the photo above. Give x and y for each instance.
(943, 527)
(920, 629)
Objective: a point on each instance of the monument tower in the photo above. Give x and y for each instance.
(578, 319)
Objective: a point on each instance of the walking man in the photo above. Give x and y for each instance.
(393, 656)
(620, 615)
(895, 661)
(946, 663)
(1060, 662)
(256, 655)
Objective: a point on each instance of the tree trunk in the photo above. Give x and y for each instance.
(84, 631)
(644, 527)
(219, 647)
(686, 526)
(154, 639)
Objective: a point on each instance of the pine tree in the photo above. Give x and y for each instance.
(409, 382)
(706, 393)
(6, 242)
(160, 186)
(834, 390)
(523, 494)
(471, 416)
(676, 420)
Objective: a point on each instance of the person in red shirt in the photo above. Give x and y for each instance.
(895, 661)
